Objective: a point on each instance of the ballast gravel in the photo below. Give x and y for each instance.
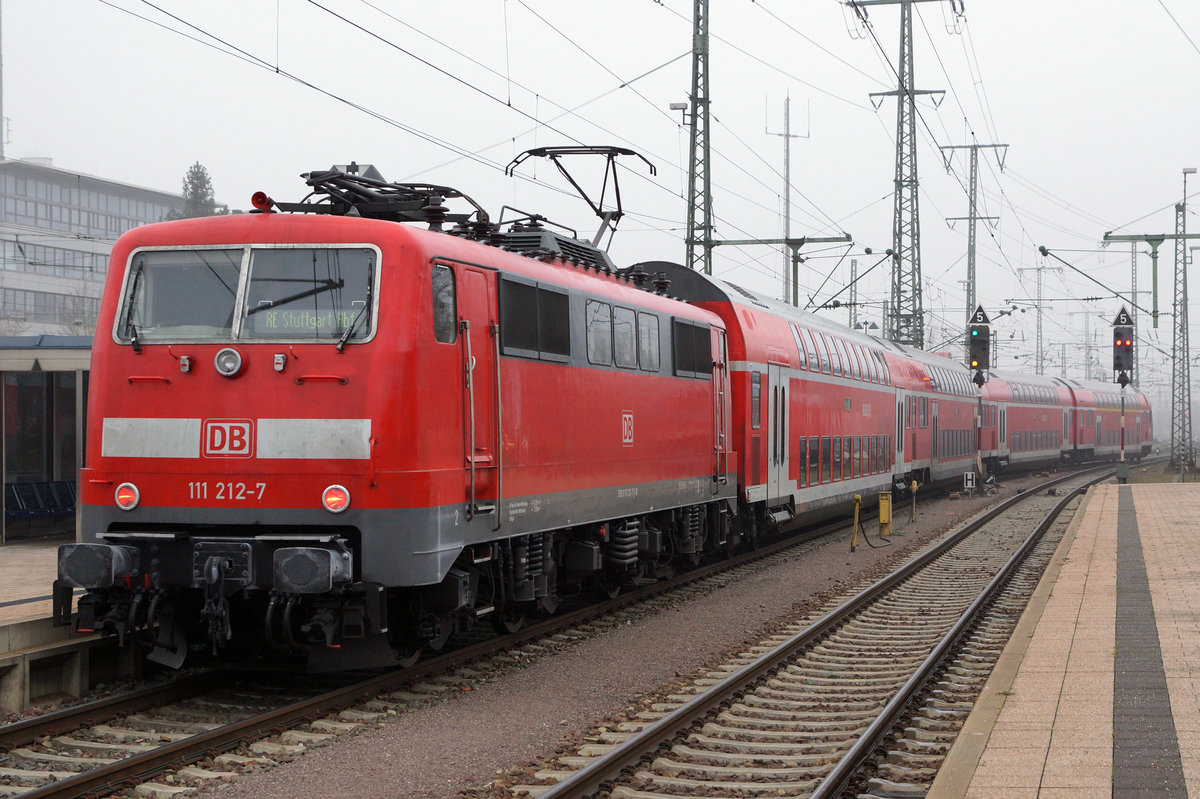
(463, 742)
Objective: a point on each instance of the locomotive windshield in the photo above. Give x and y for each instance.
(285, 294)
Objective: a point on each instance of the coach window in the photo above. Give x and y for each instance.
(803, 362)
(647, 330)
(837, 458)
(846, 450)
(851, 361)
(825, 459)
(856, 458)
(814, 459)
(822, 353)
(755, 400)
(445, 307)
(599, 332)
(833, 353)
(803, 461)
(924, 412)
(814, 360)
(860, 361)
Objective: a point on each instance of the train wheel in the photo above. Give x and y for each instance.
(407, 658)
(607, 588)
(445, 630)
(508, 622)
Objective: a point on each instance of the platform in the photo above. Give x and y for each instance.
(1098, 692)
(28, 567)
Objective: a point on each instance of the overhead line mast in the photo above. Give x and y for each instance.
(1183, 452)
(906, 323)
(699, 225)
(972, 216)
(700, 241)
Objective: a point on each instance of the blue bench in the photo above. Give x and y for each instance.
(33, 502)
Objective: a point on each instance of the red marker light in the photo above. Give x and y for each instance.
(128, 496)
(335, 499)
(261, 201)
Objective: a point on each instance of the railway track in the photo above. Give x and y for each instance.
(870, 694)
(228, 723)
(103, 746)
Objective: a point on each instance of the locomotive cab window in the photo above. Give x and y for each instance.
(180, 295)
(445, 306)
(320, 293)
(287, 294)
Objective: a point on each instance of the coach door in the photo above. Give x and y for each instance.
(935, 450)
(777, 477)
(720, 414)
(479, 342)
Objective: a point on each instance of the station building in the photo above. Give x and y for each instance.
(57, 228)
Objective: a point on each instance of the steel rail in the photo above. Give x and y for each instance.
(26, 731)
(609, 766)
(108, 778)
(836, 780)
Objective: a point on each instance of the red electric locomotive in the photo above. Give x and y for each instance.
(333, 434)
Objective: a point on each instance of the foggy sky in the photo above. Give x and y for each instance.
(1093, 99)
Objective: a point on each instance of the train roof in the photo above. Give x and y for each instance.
(695, 287)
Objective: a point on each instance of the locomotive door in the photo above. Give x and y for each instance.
(777, 467)
(479, 341)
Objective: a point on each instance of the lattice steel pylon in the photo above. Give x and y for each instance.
(906, 322)
(699, 225)
(1182, 451)
(907, 325)
(972, 216)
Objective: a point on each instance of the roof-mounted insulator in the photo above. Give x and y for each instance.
(661, 283)
(435, 212)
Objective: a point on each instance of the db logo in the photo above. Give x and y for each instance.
(627, 428)
(228, 438)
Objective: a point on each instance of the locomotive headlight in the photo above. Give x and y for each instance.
(335, 499)
(128, 496)
(228, 362)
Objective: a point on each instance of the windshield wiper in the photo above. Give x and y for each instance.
(129, 326)
(353, 324)
(324, 286)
